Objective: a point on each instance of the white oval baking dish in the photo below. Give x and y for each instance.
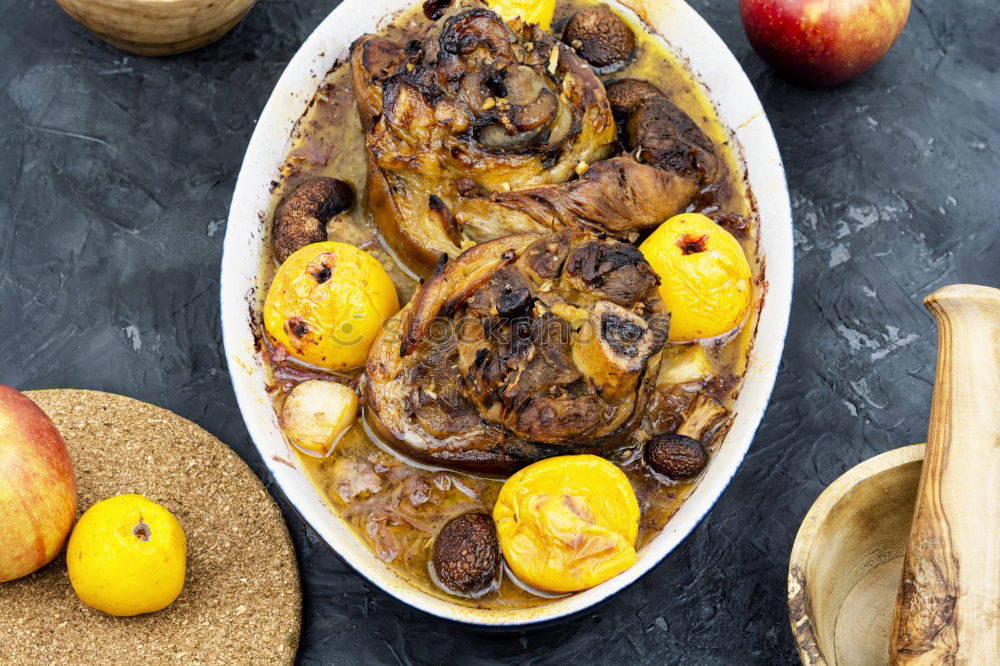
(740, 111)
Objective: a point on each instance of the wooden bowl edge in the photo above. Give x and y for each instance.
(159, 48)
(799, 605)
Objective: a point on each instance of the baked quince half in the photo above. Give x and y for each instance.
(485, 128)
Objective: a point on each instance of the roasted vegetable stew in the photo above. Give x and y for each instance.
(512, 185)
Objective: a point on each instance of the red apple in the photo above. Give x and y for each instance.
(823, 42)
(37, 487)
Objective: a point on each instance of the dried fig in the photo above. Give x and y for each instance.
(676, 456)
(600, 37)
(466, 555)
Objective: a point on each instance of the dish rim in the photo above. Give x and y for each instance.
(710, 62)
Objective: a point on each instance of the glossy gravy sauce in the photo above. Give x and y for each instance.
(396, 506)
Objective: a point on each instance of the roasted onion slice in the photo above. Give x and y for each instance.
(523, 347)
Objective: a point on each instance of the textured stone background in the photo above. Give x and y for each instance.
(117, 174)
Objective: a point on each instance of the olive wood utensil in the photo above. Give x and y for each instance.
(948, 606)
(847, 560)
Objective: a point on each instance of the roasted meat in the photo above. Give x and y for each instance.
(523, 347)
(483, 128)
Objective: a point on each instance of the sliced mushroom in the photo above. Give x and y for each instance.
(612, 346)
(521, 84)
(528, 110)
(530, 100)
(465, 559)
(661, 133)
(498, 139)
(301, 218)
(435, 9)
(538, 112)
(601, 37)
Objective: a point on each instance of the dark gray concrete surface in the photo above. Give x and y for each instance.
(117, 172)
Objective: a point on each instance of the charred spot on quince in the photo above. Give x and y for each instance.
(298, 327)
(692, 244)
(466, 555)
(435, 9)
(322, 274)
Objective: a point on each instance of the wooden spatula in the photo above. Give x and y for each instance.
(948, 606)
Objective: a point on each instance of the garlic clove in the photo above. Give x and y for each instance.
(316, 413)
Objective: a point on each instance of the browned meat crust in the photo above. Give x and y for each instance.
(613, 195)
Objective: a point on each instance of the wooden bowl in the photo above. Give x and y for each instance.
(848, 559)
(157, 27)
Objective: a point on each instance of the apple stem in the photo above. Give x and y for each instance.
(141, 531)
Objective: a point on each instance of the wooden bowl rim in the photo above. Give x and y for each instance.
(156, 3)
(799, 604)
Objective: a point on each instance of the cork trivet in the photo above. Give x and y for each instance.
(241, 601)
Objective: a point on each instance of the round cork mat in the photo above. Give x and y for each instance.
(241, 600)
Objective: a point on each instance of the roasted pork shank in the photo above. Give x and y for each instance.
(523, 347)
(482, 129)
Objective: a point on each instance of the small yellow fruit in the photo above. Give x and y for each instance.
(316, 413)
(326, 304)
(704, 276)
(567, 523)
(126, 556)
(530, 11)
